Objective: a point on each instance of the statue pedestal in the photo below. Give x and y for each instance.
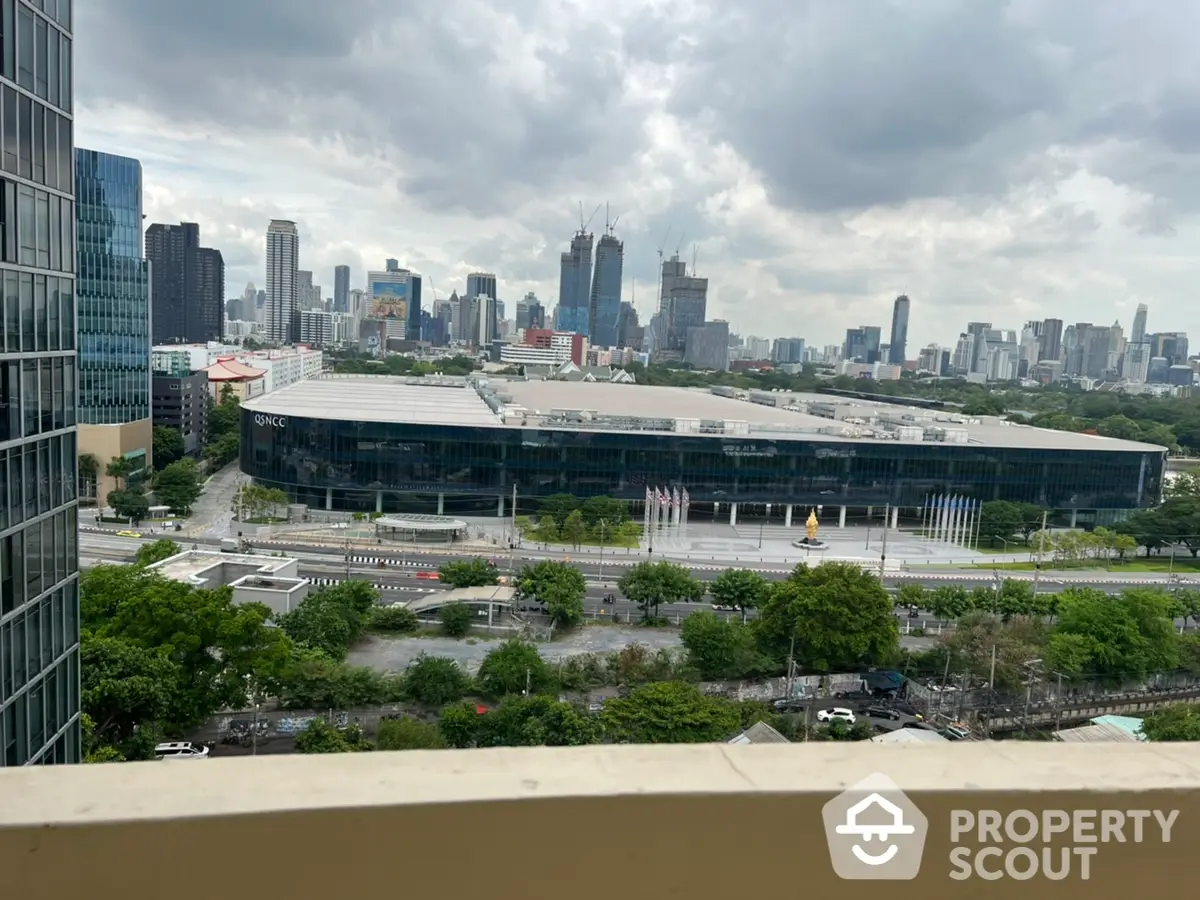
(809, 544)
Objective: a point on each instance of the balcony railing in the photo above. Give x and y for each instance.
(694, 822)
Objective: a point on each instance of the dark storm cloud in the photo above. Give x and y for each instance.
(851, 104)
(421, 78)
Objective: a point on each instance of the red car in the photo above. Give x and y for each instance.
(428, 576)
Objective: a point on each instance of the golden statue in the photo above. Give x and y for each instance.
(811, 525)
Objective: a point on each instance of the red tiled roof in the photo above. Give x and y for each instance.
(232, 370)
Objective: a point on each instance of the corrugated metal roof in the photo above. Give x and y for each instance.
(1105, 733)
(759, 733)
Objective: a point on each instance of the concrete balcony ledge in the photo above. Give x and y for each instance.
(613, 822)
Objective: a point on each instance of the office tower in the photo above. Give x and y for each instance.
(187, 285)
(683, 304)
(788, 350)
(283, 256)
(341, 289)
(1171, 345)
(574, 285)
(395, 295)
(1135, 366)
(39, 580)
(1051, 340)
(604, 302)
(629, 332)
(112, 299)
(862, 344)
(898, 344)
(707, 346)
(483, 284)
(1138, 335)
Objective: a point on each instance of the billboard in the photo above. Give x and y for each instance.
(389, 300)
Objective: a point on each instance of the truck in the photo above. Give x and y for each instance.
(232, 545)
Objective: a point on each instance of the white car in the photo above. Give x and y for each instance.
(181, 750)
(836, 713)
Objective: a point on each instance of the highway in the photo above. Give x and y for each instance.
(397, 576)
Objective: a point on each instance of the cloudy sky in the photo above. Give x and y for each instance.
(997, 161)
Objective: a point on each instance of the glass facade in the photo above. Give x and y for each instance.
(605, 304)
(112, 285)
(396, 467)
(39, 571)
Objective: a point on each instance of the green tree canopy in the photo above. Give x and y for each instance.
(720, 648)
(168, 446)
(651, 584)
(557, 586)
(537, 721)
(148, 554)
(511, 668)
(743, 589)
(1177, 722)
(321, 737)
(669, 713)
(1120, 637)
(215, 644)
(456, 619)
(839, 616)
(406, 733)
(465, 573)
(125, 687)
(331, 618)
(435, 681)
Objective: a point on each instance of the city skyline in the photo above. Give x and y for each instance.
(1030, 197)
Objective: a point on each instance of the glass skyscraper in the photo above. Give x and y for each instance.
(113, 290)
(604, 307)
(39, 571)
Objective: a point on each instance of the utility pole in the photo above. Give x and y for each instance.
(528, 680)
(1058, 705)
(887, 511)
(600, 575)
(512, 536)
(1037, 566)
(761, 526)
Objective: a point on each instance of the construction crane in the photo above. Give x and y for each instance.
(583, 226)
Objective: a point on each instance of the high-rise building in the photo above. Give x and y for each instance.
(574, 285)
(604, 303)
(483, 284)
(395, 295)
(788, 350)
(112, 291)
(1051, 340)
(39, 570)
(898, 345)
(708, 346)
(862, 344)
(629, 332)
(187, 285)
(341, 289)
(283, 257)
(1138, 335)
(683, 304)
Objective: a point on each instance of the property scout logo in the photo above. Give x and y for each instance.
(876, 832)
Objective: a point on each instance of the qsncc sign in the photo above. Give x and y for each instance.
(271, 421)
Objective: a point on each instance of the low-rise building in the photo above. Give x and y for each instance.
(271, 580)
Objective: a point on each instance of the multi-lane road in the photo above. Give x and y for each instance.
(397, 572)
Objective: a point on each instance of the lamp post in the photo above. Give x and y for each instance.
(600, 574)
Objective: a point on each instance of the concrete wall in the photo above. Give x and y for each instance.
(594, 823)
(106, 441)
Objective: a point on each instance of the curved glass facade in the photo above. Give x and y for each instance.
(112, 289)
(397, 467)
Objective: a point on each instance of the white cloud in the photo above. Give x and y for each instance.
(959, 154)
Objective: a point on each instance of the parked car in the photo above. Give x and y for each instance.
(879, 711)
(181, 750)
(836, 713)
(957, 731)
(125, 532)
(854, 695)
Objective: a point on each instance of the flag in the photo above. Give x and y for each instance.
(648, 497)
(686, 500)
(678, 503)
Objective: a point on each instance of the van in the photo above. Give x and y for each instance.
(181, 750)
